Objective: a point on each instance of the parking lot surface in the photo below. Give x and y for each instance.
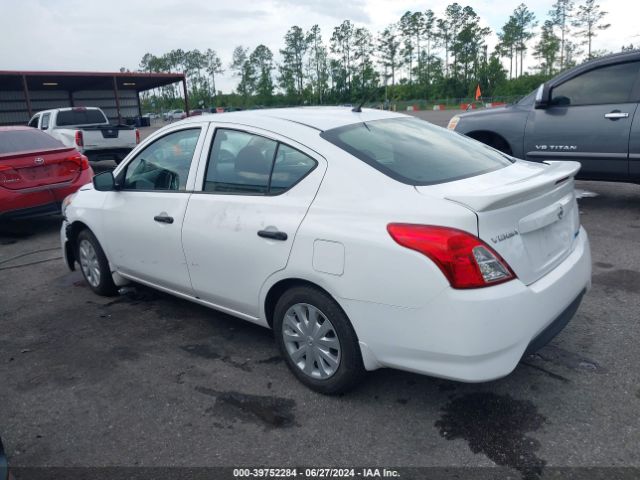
(146, 379)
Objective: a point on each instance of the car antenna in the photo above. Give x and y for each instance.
(358, 109)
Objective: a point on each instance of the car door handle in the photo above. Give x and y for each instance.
(616, 115)
(163, 219)
(273, 234)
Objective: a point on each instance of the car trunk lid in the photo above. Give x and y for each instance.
(526, 212)
(37, 169)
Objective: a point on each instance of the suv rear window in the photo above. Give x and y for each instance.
(80, 117)
(16, 141)
(416, 152)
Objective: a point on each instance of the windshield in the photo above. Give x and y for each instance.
(416, 152)
(528, 100)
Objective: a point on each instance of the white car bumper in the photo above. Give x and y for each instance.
(473, 335)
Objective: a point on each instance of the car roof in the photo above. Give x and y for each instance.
(64, 109)
(317, 118)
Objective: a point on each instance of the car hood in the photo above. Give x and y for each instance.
(487, 112)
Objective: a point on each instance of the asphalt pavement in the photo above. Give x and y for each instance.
(145, 379)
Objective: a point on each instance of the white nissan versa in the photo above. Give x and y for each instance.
(363, 239)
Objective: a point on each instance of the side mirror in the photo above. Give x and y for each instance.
(543, 96)
(104, 182)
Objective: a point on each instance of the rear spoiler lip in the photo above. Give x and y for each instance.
(30, 153)
(519, 191)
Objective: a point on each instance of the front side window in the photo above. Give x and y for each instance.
(163, 165)
(416, 152)
(244, 163)
(612, 84)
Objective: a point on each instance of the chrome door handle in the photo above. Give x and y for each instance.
(616, 115)
(163, 219)
(273, 234)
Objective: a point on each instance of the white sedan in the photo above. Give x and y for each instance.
(363, 239)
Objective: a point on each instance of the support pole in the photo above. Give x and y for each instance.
(186, 97)
(26, 95)
(139, 104)
(71, 99)
(115, 93)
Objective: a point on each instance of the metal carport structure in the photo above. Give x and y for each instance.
(24, 93)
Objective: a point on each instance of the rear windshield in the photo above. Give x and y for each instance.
(80, 117)
(16, 141)
(416, 152)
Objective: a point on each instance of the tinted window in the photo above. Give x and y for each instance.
(45, 121)
(415, 152)
(80, 117)
(163, 165)
(15, 141)
(611, 84)
(291, 165)
(34, 122)
(239, 162)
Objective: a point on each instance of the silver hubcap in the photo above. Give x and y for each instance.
(89, 263)
(311, 341)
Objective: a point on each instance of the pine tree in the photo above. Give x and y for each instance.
(587, 20)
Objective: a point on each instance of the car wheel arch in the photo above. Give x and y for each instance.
(73, 230)
(492, 139)
(276, 290)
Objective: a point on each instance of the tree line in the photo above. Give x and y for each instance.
(420, 56)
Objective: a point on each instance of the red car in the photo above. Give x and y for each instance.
(37, 172)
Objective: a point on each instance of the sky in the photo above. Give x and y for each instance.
(104, 35)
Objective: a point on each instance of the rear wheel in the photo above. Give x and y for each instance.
(94, 264)
(317, 340)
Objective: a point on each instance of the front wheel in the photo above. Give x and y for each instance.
(94, 264)
(317, 340)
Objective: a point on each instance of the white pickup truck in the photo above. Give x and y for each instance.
(88, 130)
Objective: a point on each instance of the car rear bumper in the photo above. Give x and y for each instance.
(474, 335)
(41, 201)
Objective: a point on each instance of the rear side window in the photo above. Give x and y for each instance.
(612, 84)
(16, 141)
(415, 152)
(244, 163)
(290, 167)
(34, 121)
(80, 117)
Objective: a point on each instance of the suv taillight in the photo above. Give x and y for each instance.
(464, 259)
(79, 138)
(137, 136)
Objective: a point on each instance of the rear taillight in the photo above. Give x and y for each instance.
(79, 138)
(464, 259)
(9, 177)
(137, 136)
(80, 160)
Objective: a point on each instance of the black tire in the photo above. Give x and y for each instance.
(350, 369)
(105, 286)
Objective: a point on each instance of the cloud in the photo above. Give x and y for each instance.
(354, 10)
(106, 35)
